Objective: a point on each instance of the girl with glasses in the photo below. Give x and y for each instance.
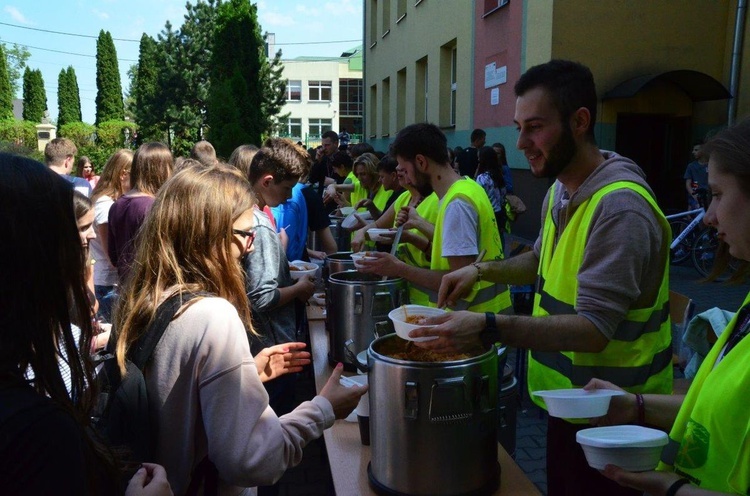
(202, 372)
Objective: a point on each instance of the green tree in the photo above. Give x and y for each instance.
(148, 108)
(68, 100)
(109, 105)
(34, 96)
(6, 92)
(242, 75)
(75, 94)
(15, 59)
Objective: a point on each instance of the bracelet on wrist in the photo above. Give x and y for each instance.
(676, 485)
(641, 408)
(479, 271)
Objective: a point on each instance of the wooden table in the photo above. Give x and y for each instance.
(349, 458)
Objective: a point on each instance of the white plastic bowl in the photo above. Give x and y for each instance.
(303, 269)
(363, 407)
(577, 403)
(361, 255)
(344, 211)
(320, 299)
(631, 447)
(376, 234)
(350, 222)
(398, 316)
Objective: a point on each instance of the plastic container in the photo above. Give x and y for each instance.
(359, 256)
(319, 298)
(631, 447)
(577, 403)
(298, 268)
(376, 234)
(399, 315)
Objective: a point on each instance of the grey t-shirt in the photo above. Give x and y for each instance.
(460, 230)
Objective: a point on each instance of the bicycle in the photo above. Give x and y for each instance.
(683, 237)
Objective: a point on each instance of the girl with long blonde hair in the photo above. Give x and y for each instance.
(113, 183)
(202, 372)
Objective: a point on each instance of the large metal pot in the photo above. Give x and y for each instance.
(341, 235)
(355, 302)
(433, 426)
(337, 262)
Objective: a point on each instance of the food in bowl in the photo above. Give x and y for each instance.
(631, 447)
(362, 255)
(405, 316)
(378, 235)
(320, 299)
(299, 268)
(416, 319)
(402, 349)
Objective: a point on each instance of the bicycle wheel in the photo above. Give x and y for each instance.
(682, 251)
(704, 251)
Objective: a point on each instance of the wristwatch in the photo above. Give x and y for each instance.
(491, 333)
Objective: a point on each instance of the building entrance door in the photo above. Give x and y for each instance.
(660, 145)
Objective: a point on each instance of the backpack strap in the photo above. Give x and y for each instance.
(143, 348)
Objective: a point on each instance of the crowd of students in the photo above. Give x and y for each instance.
(217, 238)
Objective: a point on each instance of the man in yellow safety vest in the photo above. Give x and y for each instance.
(600, 266)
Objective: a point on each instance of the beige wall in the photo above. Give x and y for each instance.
(427, 30)
(621, 39)
(306, 70)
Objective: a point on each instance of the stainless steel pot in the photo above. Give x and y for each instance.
(433, 426)
(337, 262)
(341, 235)
(355, 302)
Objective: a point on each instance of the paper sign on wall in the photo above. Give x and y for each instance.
(495, 96)
(494, 75)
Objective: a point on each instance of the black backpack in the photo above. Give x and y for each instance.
(122, 415)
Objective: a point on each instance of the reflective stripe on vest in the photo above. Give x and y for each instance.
(407, 252)
(485, 296)
(710, 439)
(639, 355)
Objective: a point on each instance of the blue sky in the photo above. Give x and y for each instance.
(306, 23)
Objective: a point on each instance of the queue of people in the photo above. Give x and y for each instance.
(224, 234)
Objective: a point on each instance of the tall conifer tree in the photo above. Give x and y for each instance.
(68, 101)
(243, 99)
(34, 96)
(109, 104)
(6, 92)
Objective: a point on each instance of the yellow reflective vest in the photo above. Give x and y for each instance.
(485, 296)
(710, 439)
(638, 358)
(409, 253)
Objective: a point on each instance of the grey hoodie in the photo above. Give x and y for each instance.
(267, 270)
(626, 252)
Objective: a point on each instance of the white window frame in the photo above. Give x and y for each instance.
(319, 87)
(322, 124)
(293, 83)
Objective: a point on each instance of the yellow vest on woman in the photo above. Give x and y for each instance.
(639, 355)
(710, 439)
(409, 253)
(485, 296)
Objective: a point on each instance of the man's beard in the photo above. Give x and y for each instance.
(560, 155)
(422, 183)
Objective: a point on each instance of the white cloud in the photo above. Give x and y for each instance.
(101, 15)
(16, 14)
(344, 7)
(307, 11)
(277, 20)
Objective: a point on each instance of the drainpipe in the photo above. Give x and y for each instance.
(734, 72)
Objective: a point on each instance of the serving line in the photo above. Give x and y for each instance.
(348, 458)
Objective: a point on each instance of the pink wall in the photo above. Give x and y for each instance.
(498, 40)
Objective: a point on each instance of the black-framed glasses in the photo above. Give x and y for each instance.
(248, 235)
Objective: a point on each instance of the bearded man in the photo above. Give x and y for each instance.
(600, 264)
